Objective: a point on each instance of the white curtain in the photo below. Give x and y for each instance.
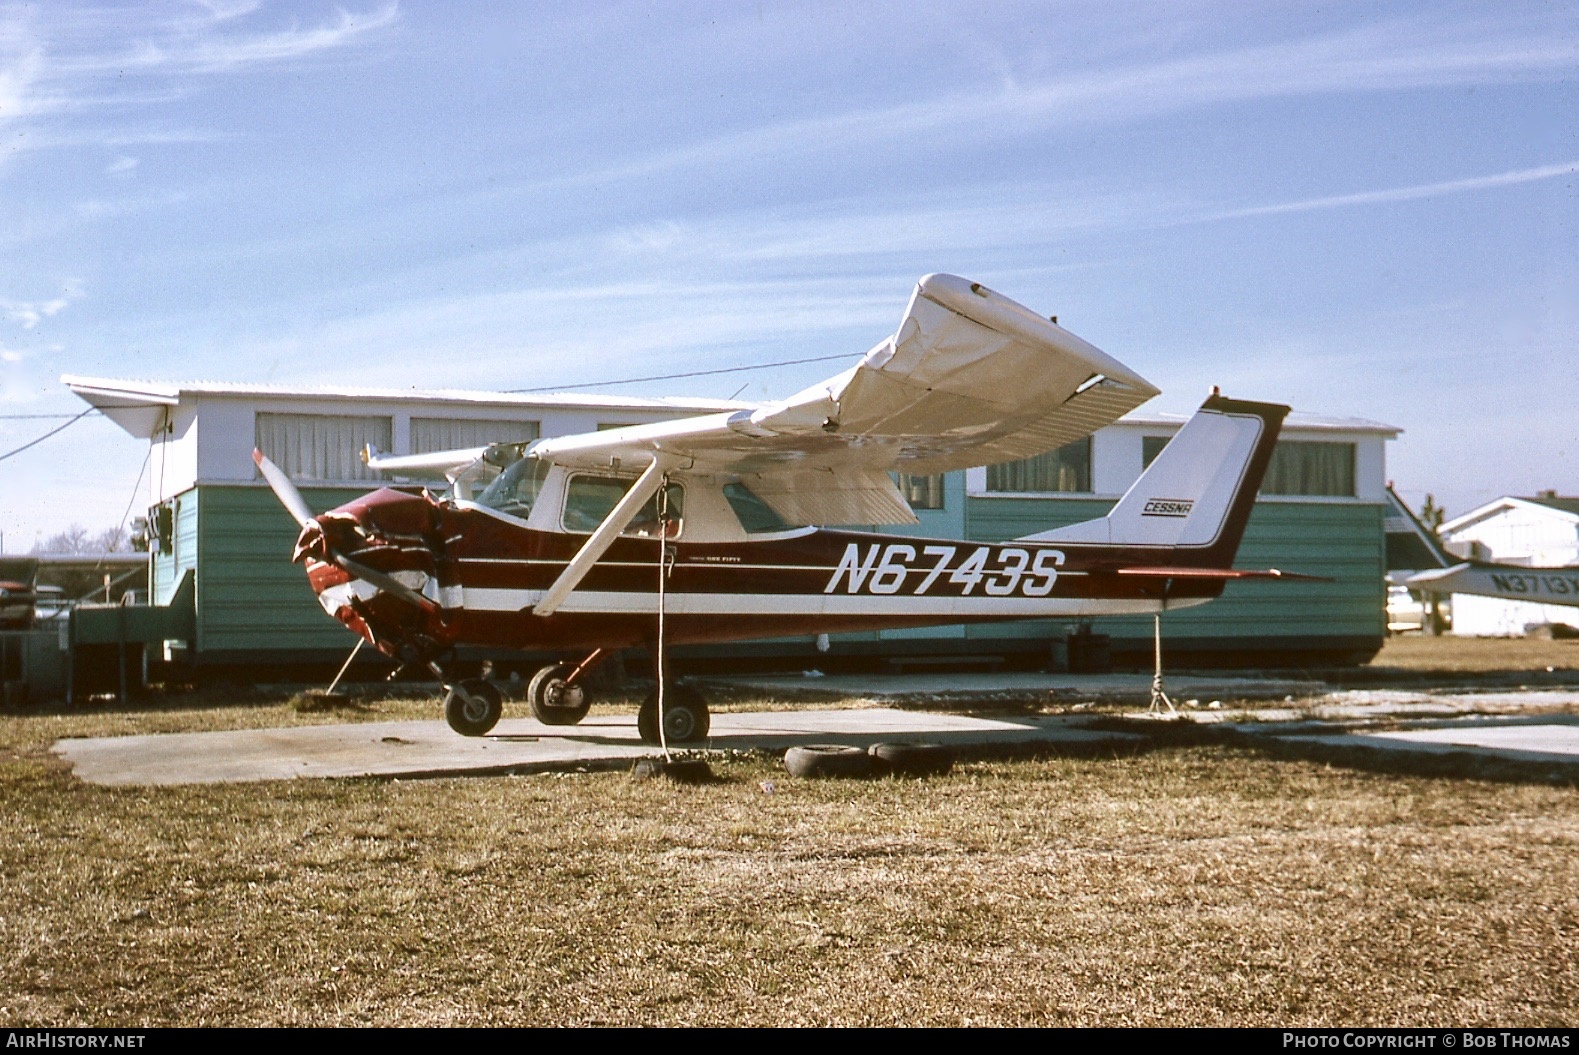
(322, 446)
(455, 434)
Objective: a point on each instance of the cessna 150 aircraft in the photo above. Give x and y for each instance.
(1510, 582)
(701, 529)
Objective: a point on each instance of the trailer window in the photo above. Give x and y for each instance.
(1306, 467)
(1066, 469)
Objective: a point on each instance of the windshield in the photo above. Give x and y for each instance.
(516, 489)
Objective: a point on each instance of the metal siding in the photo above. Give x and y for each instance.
(251, 598)
(1344, 541)
(166, 568)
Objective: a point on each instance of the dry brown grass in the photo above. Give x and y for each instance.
(1449, 654)
(1195, 884)
(1192, 885)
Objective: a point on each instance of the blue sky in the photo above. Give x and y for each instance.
(1358, 209)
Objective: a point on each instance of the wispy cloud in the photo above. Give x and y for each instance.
(21, 65)
(981, 219)
(29, 313)
(548, 334)
(105, 208)
(204, 46)
(221, 11)
(121, 166)
(1381, 57)
(989, 219)
(1396, 194)
(55, 65)
(224, 54)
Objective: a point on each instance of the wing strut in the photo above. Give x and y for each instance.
(600, 540)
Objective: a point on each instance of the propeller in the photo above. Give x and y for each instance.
(292, 500)
(387, 583)
(283, 488)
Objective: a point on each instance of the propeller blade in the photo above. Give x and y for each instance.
(385, 582)
(283, 489)
(293, 502)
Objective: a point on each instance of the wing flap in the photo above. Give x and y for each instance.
(825, 496)
(1077, 417)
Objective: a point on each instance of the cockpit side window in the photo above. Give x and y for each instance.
(590, 499)
(515, 490)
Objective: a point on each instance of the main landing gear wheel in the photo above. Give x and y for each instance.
(473, 707)
(555, 703)
(685, 717)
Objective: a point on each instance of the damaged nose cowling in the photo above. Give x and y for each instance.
(374, 567)
(374, 564)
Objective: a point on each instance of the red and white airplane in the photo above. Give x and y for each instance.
(701, 529)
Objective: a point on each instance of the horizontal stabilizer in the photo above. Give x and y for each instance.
(436, 465)
(1423, 580)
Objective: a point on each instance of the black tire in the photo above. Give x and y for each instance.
(473, 707)
(827, 760)
(685, 716)
(555, 703)
(679, 770)
(912, 760)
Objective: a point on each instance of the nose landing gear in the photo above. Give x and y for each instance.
(472, 707)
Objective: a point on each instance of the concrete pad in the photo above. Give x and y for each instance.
(1373, 703)
(1546, 739)
(431, 748)
(955, 686)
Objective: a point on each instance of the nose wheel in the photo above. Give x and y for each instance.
(473, 707)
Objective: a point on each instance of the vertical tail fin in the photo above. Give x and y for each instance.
(1195, 498)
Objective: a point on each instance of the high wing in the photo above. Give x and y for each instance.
(455, 466)
(969, 378)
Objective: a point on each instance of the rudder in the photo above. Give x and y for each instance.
(1195, 497)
